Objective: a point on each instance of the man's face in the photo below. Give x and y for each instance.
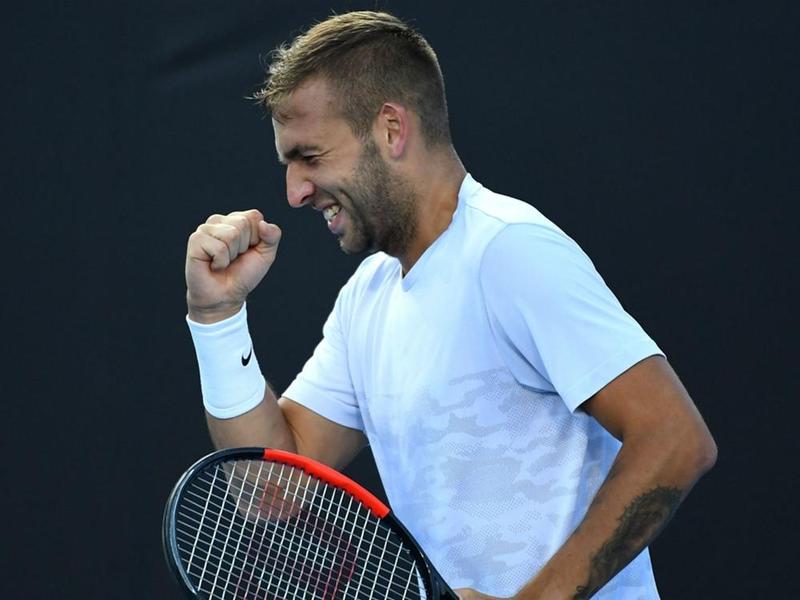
(364, 204)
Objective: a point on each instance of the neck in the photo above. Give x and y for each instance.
(436, 183)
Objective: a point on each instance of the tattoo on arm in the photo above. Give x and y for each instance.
(641, 521)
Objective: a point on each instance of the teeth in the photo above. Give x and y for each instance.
(330, 212)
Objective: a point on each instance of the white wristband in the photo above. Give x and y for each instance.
(230, 378)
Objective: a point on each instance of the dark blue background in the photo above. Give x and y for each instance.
(662, 136)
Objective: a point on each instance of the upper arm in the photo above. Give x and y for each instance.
(648, 403)
(320, 438)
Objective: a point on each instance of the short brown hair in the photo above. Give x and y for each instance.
(369, 58)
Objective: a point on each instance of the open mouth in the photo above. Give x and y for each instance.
(331, 212)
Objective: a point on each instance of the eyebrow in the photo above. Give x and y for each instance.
(296, 152)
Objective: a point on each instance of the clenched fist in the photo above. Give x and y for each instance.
(226, 258)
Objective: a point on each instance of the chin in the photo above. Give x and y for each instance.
(354, 247)
(349, 250)
(346, 245)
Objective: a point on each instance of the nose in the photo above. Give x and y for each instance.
(299, 190)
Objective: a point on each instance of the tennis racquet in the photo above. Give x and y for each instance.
(262, 524)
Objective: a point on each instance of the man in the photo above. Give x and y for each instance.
(528, 432)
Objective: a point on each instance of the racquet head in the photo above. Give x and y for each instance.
(258, 524)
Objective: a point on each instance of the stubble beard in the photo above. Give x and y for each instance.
(382, 208)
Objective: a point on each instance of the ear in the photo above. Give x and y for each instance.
(393, 129)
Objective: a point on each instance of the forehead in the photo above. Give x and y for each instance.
(307, 117)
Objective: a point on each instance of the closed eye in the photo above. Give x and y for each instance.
(307, 154)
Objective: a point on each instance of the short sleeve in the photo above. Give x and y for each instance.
(324, 385)
(550, 311)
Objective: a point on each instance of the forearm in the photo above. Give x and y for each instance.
(263, 426)
(287, 425)
(242, 410)
(642, 491)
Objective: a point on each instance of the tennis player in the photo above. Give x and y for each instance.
(530, 434)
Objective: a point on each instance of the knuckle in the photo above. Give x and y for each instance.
(237, 216)
(206, 229)
(196, 239)
(241, 222)
(230, 232)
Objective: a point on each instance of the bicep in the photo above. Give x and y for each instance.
(646, 400)
(320, 438)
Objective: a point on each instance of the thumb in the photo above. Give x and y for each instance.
(269, 233)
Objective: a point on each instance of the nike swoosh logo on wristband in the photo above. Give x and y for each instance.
(246, 359)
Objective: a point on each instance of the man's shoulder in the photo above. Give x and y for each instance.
(489, 215)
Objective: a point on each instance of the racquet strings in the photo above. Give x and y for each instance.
(255, 529)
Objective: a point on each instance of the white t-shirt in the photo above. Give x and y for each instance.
(465, 376)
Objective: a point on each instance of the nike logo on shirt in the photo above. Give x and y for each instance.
(246, 359)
